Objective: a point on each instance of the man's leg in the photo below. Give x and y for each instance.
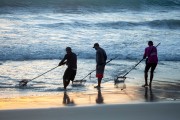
(99, 82)
(146, 74)
(66, 83)
(99, 75)
(153, 67)
(66, 78)
(146, 77)
(151, 78)
(73, 75)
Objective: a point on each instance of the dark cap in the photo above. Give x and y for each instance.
(96, 45)
(150, 42)
(68, 49)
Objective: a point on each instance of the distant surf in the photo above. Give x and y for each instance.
(86, 3)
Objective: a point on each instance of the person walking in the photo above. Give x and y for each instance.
(70, 59)
(101, 58)
(151, 56)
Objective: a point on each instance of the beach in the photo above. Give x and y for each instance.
(39, 92)
(126, 100)
(108, 95)
(109, 102)
(34, 35)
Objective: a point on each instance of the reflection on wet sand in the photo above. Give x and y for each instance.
(108, 94)
(67, 100)
(99, 99)
(149, 95)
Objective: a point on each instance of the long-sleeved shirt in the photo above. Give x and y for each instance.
(101, 56)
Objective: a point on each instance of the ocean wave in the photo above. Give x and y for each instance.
(169, 24)
(86, 3)
(86, 55)
(165, 24)
(172, 24)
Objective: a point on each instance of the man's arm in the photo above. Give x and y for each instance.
(101, 57)
(144, 56)
(63, 61)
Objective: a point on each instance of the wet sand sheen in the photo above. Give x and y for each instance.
(108, 94)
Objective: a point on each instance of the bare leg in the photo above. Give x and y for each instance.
(99, 82)
(152, 74)
(66, 83)
(146, 77)
(151, 78)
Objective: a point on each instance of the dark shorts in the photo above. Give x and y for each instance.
(150, 65)
(69, 74)
(100, 71)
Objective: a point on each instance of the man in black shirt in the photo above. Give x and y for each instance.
(70, 59)
(101, 58)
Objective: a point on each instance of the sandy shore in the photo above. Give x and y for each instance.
(107, 103)
(108, 94)
(142, 111)
(161, 102)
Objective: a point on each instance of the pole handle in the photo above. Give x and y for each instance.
(44, 73)
(95, 69)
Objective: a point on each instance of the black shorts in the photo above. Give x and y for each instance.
(69, 74)
(150, 65)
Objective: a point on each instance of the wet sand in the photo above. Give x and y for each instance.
(113, 101)
(125, 101)
(109, 94)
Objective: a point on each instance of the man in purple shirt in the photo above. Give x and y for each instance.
(150, 54)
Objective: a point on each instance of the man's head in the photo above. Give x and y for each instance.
(96, 45)
(68, 49)
(150, 43)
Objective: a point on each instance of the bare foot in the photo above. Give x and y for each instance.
(145, 85)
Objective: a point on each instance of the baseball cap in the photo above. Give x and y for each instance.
(96, 45)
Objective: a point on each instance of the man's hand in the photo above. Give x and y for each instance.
(144, 57)
(61, 63)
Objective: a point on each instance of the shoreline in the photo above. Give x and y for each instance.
(47, 91)
(44, 100)
(107, 95)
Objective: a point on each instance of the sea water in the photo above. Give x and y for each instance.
(34, 35)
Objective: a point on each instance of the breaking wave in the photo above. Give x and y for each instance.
(88, 3)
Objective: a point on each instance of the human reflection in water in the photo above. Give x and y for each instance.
(150, 97)
(99, 99)
(67, 100)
